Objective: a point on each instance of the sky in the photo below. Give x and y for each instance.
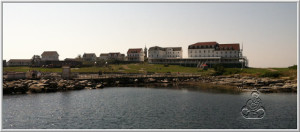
(267, 31)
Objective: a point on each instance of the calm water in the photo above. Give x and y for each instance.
(144, 108)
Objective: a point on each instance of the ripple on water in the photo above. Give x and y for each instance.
(143, 108)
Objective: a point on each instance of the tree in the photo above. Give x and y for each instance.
(78, 58)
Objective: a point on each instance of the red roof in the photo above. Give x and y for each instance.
(134, 50)
(229, 46)
(204, 65)
(204, 43)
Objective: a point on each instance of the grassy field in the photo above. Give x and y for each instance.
(157, 68)
(124, 68)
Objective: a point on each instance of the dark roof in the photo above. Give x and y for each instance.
(104, 54)
(235, 46)
(114, 53)
(175, 48)
(70, 59)
(156, 48)
(19, 60)
(164, 49)
(89, 54)
(49, 53)
(204, 43)
(138, 50)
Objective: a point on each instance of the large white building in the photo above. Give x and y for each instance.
(135, 54)
(164, 53)
(214, 49)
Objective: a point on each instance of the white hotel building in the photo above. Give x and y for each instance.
(214, 49)
(209, 53)
(164, 53)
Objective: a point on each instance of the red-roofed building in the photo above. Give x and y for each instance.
(135, 54)
(213, 49)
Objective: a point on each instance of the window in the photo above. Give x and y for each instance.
(208, 51)
(204, 51)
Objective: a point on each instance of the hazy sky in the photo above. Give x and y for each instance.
(268, 31)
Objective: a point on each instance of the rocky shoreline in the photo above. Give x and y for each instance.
(47, 85)
(246, 83)
(237, 82)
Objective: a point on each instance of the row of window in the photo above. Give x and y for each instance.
(213, 51)
(212, 56)
(174, 52)
(167, 56)
(133, 54)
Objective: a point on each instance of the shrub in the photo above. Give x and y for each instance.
(271, 74)
(219, 69)
(293, 67)
(229, 71)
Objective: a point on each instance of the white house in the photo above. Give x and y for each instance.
(135, 54)
(89, 57)
(214, 49)
(112, 56)
(103, 56)
(164, 53)
(50, 56)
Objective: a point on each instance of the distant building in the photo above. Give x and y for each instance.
(165, 53)
(202, 54)
(50, 56)
(71, 59)
(214, 49)
(116, 56)
(104, 56)
(135, 54)
(89, 57)
(112, 56)
(19, 62)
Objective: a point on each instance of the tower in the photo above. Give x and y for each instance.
(145, 51)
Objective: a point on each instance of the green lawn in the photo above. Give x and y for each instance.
(158, 68)
(124, 68)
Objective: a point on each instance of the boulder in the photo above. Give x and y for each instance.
(279, 84)
(249, 82)
(20, 88)
(36, 88)
(99, 86)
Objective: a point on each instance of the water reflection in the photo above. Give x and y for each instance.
(201, 87)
